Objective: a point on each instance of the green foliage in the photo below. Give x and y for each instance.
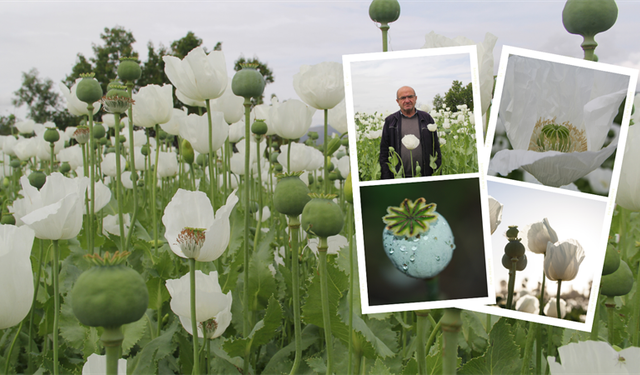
(6, 124)
(438, 102)
(458, 95)
(181, 47)
(502, 355)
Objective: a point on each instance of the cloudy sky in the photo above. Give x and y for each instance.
(47, 35)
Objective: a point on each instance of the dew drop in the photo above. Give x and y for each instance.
(412, 258)
(425, 238)
(437, 258)
(414, 248)
(405, 267)
(403, 248)
(391, 251)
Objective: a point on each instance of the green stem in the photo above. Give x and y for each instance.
(112, 340)
(544, 278)
(56, 304)
(246, 324)
(351, 281)
(558, 300)
(512, 282)
(611, 305)
(154, 204)
(13, 343)
(294, 232)
(211, 187)
(52, 145)
(421, 355)
(92, 183)
(432, 336)
(539, 351)
(451, 323)
(194, 322)
(324, 294)
(132, 164)
(636, 312)
(33, 301)
(533, 327)
(596, 321)
(384, 28)
(119, 197)
(326, 152)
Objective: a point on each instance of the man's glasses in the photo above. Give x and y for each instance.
(402, 98)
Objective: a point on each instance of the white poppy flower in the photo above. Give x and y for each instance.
(16, 276)
(321, 86)
(594, 357)
(557, 118)
(198, 76)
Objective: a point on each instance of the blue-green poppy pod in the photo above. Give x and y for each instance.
(417, 239)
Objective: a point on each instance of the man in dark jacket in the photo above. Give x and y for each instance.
(409, 120)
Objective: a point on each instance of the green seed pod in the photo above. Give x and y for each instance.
(15, 163)
(277, 167)
(109, 296)
(506, 261)
(8, 219)
(344, 141)
(188, 155)
(310, 179)
(202, 160)
(65, 167)
(274, 157)
(291, 195)
(88, 89)
(514, 248)
(333, 176)
(589, 17)
(384, 11)
(109, 150)
(334, 145)
(129, 69)
(611, 260)
(51, 135)
(322, 216)
(248, 82)
(512, 232)
(162, 135)
(6, 182)
(330, 165)
(98, 131)
(618, 283)
(37, 179)
(103, 141)
(348, 190)
(259, 127)
(145, 150)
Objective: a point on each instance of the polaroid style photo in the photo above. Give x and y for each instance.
(557, 139)
(419, 199)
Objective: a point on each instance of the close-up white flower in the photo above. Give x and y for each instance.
(321, 86)
(538, 235)
(196, 131)
(594, 357)
(199, 76)
(495, 213)
(292, 119)
(213, 308)
(16, 275)
(410, 141)
(557, 118)
(528, 304)
(153, 105)
(190, 223)
(562, 260)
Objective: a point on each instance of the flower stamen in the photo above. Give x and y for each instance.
(190, 241)
(550, 136)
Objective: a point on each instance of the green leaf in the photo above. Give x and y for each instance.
(312, 308)
(261, 334)
(310, 334)
(133, 332)
(380, 368)
(262, 285)
(502, 355)
(156, 349)
(158, 293)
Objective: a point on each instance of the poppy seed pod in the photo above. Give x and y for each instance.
(88, 90)
(384, 11)
(51, 135)
(291, 195)
(589, 17)
(129, 69)
(248, 82)
(617, 283)
(259, 127)
(322, 216)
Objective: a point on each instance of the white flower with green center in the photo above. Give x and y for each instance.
(556, 117)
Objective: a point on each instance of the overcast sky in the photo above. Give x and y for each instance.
(47, 35)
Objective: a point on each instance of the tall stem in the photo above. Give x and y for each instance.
(211, 186)
(451, 323)
(351, 281)
(558, 300)
(384, 28)
(533, 328)
(56, 304)
(247, 174)
(324, 294)
(132, 164)
(119, 196)
(154, 188)
(294, 232)
(512, 282)
(35, 294)
(611, 305)
(92, 183)
(112, 338)
(421, 334)
(326, 152)
(194, 323)
(544, 277)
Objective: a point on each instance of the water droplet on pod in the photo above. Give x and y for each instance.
(391, 251)
(415, 239)
(412, 258)
(437, 258)
(414, 248)
(403, 248)
(405, 267)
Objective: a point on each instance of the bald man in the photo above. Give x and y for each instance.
(409, 120)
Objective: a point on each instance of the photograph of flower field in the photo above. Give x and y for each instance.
(176, 191)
